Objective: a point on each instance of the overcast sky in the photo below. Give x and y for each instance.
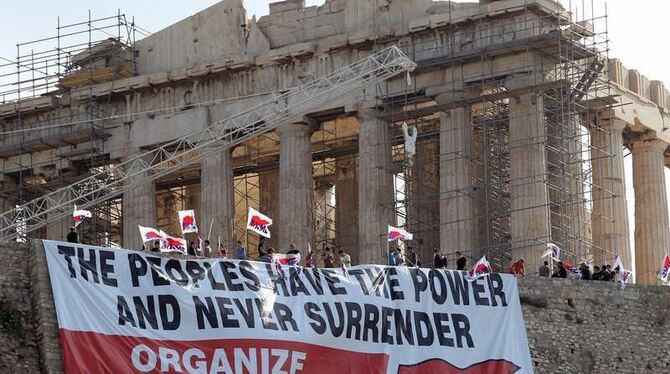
(637, 29)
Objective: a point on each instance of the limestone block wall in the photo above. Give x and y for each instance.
(595, 327)
(572, 326)
(18, 337)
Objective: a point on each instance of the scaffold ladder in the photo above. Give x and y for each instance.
(283, 106)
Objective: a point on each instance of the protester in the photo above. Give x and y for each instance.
(72, 236)
(292, 250)
(267, 256)
(461, 261)
(144, 247)
(585, 271)
(439, 260)
(393, 257)
(605, 274)
(597, 274)
(544, 269)
(207, 250)
(412, 258)
(611, 276)
(309, 259)
(400, 257)
(518, 268)
(191, 249)
(560, 271)
(240, 252)
(157, 246)
(328, 259)
(223, 251)
(261, 246)
(345, 259)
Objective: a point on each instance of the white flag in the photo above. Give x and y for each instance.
(395, 233)
(618, 263)
(187, 221)
(78, 215)
(552, 250)
(173, 244)
(150, 234)
(259, 223)
(480, 269)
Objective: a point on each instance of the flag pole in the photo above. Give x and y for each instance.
(209, 233)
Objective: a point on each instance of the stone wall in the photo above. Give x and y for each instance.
(572, 326)
(18, 338)
(595, 327)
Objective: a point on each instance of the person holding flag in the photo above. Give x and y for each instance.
(479, 270)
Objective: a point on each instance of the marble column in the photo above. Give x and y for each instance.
(60, 227)
(652, 238)
(610, 213)
(457, 215)
(425, 206)
(346, 206)
(528, 179)
(268, 185)
(217, 198)
(375, 187)
(139, 208)
(296, 186)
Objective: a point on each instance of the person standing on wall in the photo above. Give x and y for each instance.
(72, 236)
(240, 252)
(461, 261)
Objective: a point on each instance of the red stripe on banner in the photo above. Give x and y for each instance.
(89, 352)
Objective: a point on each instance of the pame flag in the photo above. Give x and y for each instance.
(552, 250)
(664, 274)
(187, 221)
(78, 215)
(396, 233)
(480, 269)
(150, 234)
(259, 223)
(572, 270)
(172, 244)
(287, 259)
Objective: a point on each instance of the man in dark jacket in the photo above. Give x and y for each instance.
(560, 271)
(461, 262)
(72, 236)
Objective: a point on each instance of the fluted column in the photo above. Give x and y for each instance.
(346, 206)
(139, 208)
(268, 185)
(610, 213)
(296, 186)
(425, 209)
(457, 217)
(58, 229)
(375, 187)
(528, 179)
(217, 202)
(652, 238)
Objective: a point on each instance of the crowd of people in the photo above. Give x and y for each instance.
(396, 257)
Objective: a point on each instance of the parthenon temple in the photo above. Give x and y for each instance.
(522, 121)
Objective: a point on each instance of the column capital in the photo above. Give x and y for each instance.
(294, 129)
(367, 114)
(615, 124)
(644, 143)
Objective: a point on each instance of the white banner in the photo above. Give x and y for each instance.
(123, 311)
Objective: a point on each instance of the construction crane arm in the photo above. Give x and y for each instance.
(282, 107)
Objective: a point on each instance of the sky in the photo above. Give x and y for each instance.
(636, 29)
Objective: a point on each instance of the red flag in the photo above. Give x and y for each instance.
(439, 366)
